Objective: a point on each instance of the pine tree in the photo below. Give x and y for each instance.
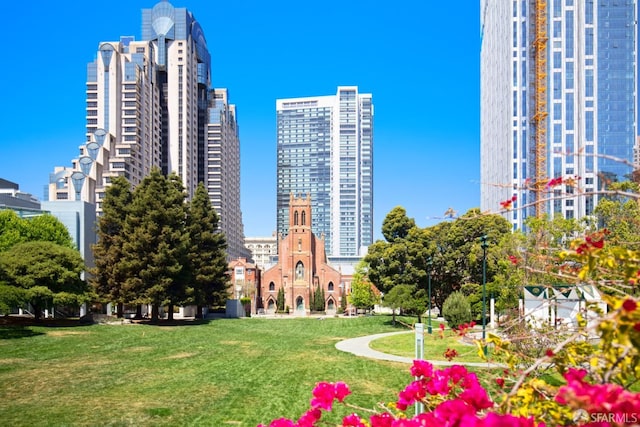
(280, 300)
(107, 277)
(155, 246)
(209, 283)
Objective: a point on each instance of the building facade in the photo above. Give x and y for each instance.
(302, 266)
(558, 103)
(220, 164)
(150, 104)
(263, 250)
(325, 149)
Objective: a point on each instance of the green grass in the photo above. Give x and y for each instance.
(227, 372)
(434, 346)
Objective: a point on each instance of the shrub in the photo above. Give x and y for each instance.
(456, 309)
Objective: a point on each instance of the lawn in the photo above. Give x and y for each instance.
(225, 372)
(434, 346)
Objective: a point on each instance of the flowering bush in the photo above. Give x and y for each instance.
(593, 382)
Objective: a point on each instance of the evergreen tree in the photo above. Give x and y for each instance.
(209, 283)
(318, 299)
(155, 246)
(107, 275)
(280, 300)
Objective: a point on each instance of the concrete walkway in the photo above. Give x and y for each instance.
(360, 347)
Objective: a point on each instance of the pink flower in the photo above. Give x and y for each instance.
(352, 421)
(381, 420)
(323, 396)
(411, 393)
(282, 422)
(477, 397)
(341, 390)
(310, 418)
(421, 368)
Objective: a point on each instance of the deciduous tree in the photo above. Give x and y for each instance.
(43, 273)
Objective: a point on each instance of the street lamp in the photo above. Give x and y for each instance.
(429, 264)
(484, 245)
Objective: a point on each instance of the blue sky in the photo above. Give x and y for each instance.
(419, 59)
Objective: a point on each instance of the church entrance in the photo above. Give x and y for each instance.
(300, 306)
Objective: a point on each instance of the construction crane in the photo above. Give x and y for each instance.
(539, 113)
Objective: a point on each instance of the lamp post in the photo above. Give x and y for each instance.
(484, 245)
(429, 264)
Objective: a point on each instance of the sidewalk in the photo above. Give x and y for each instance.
(360, 347)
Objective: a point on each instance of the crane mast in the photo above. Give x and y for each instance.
(539, 113)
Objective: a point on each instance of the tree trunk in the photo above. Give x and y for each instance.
(393, 316)
(37, 312)
(138, 311)
(154, 313)
(170, 312)
(199, 312)
(119, 310)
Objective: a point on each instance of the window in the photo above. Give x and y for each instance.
(330, 287)
(272, 287)
(299, 271)
(304, 218)
(295, 218)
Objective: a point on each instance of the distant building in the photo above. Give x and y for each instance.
(263, 250)
(24, 204)
(245, 280)
(80, 218)
(558, 89)
(149, 104)
(325, 149)
(302, 267)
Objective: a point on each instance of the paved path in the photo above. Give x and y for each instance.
(360, 347)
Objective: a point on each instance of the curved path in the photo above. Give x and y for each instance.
(360, 347)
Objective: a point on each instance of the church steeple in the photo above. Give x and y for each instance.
(299, 213)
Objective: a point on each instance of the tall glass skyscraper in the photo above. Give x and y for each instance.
(325, 150)
(564, 73)
(150, 104)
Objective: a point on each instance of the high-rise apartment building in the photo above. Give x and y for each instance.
(558, 103)
(150, 104)
(221, 170)
(325, 150)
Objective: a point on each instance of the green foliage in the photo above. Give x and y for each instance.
(209, 284)
(456, 309)
(46, 227)
(622, 218)
(362, 295)
(280, 300)
(318, 299)
(44, 271)
(108, 275)
(155, 249)
(10, 297)
(396, 224)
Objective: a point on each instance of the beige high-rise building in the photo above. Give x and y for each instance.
(150, 104)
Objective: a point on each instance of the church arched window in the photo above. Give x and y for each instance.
(295, 218)
(304, 218)
(299, 270)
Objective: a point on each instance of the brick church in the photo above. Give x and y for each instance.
(302, 266)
